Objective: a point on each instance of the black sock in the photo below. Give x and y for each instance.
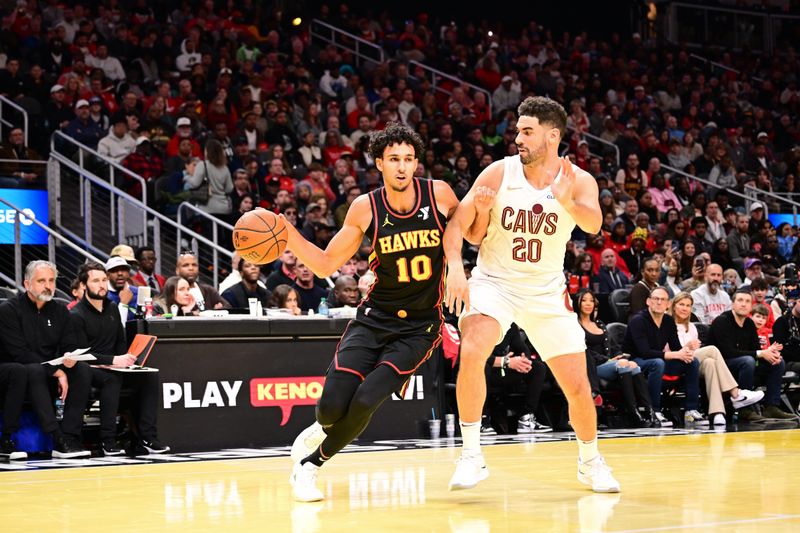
(315, 458)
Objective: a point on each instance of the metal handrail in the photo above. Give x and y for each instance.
(215, 222)
(113, 166)
(724, 67)
(52, 237)
(601, 141)
(767, 20)
(755, 191)
(706, 182)
(438, 73)
(155, 216)
(6, 101)
(358, 40)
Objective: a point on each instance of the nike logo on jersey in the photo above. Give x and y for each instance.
(424, 212)
(386, 221)
(429, 329)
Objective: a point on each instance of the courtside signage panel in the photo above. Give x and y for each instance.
(34, 204)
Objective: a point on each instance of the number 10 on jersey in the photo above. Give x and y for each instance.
(420, 269)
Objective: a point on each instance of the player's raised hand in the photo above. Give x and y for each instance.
(483, 199)
(456, 296)
(563, 188)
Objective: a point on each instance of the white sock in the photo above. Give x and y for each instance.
(587, 450)
(471, 436)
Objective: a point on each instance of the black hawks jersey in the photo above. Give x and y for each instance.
(407, 255)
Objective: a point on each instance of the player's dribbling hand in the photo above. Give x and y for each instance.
(563, 188)
(483, 199)
(456, 297)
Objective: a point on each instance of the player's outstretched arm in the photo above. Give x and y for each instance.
(341, 248)
(470, 220)
(578, 193)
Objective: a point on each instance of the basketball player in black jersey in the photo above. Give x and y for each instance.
(397, 324)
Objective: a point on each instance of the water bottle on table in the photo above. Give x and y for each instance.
(322, 310)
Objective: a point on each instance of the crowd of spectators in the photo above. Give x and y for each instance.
(231, 107)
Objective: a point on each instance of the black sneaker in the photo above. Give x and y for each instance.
(154, 447)
(8, 450)
(110, 448)
(68, 448)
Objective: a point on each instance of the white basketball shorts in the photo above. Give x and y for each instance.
(547, 318)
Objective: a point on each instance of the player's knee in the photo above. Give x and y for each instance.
(329, 411)
(576, 387)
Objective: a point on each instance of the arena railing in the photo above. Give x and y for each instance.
(93, 211)
(6, 123)
(718, 65)
(66, 255)
(206, 220)
(699, 25)
(598, 140)
(341, 39)
(438, 75)
(346, 41)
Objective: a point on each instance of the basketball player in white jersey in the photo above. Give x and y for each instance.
(522, 211)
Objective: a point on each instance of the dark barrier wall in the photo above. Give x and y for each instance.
(250, 383)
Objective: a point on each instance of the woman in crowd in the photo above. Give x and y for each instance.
(672, 275)
(617, 240)
(285, 297)
(688, 254)
(214, 171)
(611, 366)
(786, 240)
(581, 274)
(720, 254)
(677, 232)
(713, 368)
(176, 292)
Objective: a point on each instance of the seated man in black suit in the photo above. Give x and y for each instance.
(239, 294)
(34, 329)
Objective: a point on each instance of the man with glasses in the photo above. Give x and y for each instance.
(146, 275)
(652, 340)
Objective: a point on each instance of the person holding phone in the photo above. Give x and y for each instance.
(708, 300)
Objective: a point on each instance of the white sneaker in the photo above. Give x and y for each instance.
(695, 417)
(747, 397)
(719, 420)
(597, 474)
(304, 483)
(528, 424)
(663, 420)
(307, 441)
(470, 470)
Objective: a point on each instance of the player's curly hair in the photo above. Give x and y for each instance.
(546, 110)
(394, 133)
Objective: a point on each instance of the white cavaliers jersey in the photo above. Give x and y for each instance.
(527, 235)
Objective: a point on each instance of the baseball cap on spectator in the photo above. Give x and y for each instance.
(630, 126)
(711, 124)
(583, 141)
(116, 262)
(95, 100)
(311, 206)
(124, 251)
(241, 140)
(756, 205)
(142, 139)
(81, 103)
(227, 71)
(605, 192)
(184, 121)
(55, 88)
(751, 261)
(639, 88)
(346, 69)
(274, 181)
(507, 78)
(322, 224)
(762, 134)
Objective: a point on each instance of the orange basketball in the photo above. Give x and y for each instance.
(260, 236)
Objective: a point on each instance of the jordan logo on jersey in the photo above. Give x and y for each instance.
(386, 221)
(424, 212)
